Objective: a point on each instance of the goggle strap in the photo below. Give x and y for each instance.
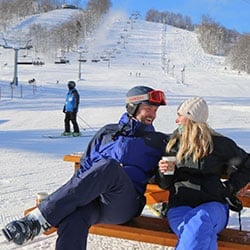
(137, 98)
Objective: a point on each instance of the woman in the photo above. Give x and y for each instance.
(199, 201)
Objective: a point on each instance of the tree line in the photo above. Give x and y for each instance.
(214, 38)
(62, 37)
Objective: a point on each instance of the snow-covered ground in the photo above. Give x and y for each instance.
(142, 53)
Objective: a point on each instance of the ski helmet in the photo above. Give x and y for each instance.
(71, 84)
(145, 95)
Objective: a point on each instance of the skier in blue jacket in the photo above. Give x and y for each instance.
(70, 109)
(110, 184)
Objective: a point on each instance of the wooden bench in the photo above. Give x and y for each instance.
(156, 230)
(75, 158)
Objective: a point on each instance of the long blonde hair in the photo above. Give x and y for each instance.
(195, 140)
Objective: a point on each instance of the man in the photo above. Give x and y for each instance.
(70, 109)
(109, 187)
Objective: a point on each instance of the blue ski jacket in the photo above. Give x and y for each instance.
(136, 146)
(72, 101)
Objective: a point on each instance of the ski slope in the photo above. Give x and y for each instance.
(31, 163)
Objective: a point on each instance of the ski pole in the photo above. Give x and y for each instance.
(86, 122)
(82, 127)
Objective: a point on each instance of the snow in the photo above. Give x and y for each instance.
(31, 163)
(49, 20)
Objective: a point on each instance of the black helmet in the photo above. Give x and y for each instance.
(71, 84)
(143, 94)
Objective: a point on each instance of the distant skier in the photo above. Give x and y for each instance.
(70, 109)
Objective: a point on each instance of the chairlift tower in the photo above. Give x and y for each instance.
(81, 60)
(16, 47)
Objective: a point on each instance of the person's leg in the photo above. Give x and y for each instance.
(176, 216)
(74, 122)
(117, 204)
(199, 226)
(121, 204)
(105, 178)
(106, 182)
(66, 122)
(73, 230)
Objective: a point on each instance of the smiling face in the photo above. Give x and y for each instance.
(181, 119)
(146, 113)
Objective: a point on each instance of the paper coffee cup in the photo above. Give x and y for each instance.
(171, 160)
(40, 197)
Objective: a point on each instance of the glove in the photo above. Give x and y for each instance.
(64, 109)
(230, 196)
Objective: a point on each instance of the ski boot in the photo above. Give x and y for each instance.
(75, 134)
(20, 231)
(66, 133)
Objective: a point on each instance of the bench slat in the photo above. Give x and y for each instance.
(156, 231)
(136, 234)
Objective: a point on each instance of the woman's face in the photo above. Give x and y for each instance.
(181, 119)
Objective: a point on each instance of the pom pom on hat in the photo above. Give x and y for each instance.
(195, 109)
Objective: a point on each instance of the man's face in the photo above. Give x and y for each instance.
(146, 113)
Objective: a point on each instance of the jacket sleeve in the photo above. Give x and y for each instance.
(77, 96)
(163, 181)
(102, 138)
(238, 165)
(241, 176)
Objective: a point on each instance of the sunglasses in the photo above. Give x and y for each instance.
(156, 97)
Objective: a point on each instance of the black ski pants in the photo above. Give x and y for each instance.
(71, 116)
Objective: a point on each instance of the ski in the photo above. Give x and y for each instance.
(68, 136)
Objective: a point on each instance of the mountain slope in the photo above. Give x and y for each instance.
(49, 20)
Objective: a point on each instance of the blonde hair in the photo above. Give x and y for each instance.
(195, 140)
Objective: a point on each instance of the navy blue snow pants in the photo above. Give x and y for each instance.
(197, 228)
(102, 194)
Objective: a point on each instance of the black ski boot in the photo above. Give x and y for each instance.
(19, 231)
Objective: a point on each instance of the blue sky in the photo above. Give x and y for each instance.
(232, 14)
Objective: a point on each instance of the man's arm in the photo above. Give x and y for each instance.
(77, 96)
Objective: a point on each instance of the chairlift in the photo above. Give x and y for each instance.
(61, 60)
(25, 61)
(82, 60)
(38, 61)
(95, 60)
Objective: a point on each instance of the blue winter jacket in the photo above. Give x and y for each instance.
(72, 101)
(137, 147)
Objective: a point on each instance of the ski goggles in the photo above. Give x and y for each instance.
(154, 97)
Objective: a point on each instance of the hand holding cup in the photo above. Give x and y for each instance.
(167, 165)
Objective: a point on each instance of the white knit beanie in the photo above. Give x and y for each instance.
(195, 109)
